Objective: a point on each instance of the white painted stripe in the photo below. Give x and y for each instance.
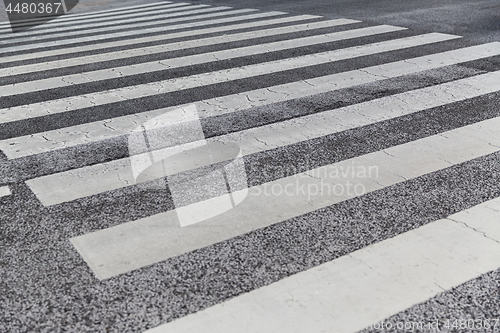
(70, 19)
(263, 138)
(363, 288)
(341, 80)
(260, 97)
(483, 218)
(152, 239)
(71, 15)
(110, 26)
(141, 31)
(189, 33)
(76, 61)
(4, 191)
(280, 134)
(150, 67)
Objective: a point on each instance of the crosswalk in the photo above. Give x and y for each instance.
(313, 125)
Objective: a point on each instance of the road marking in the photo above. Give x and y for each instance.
(482, 218)
(280, 134)
(74, 20)
(420, 262)
(140, 31)
(283, 133)
(193, 32)
(146, 241)
(261, 97)
(254, 98)
(112, 25)
(4, 191)
(123, 54)
(154, 66)
(364, 287)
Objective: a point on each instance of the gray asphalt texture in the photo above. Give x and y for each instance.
(45, 286)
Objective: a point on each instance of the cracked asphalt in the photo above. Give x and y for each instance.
(84, 105)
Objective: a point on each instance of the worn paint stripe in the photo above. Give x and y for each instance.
(146, 241)
(365, 287)
(155, 66)
(163, 37)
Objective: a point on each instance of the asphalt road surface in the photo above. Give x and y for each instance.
(273, 166)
